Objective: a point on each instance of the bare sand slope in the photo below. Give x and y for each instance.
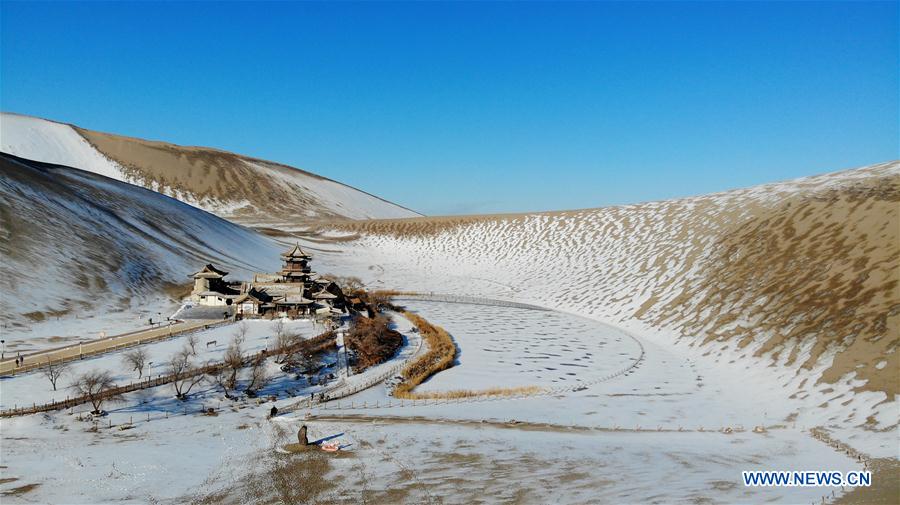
(74, 242)
(804, 273)
(225, 183)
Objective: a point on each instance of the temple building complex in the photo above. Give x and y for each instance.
(295, 291)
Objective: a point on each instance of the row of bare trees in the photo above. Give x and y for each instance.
(237, 371)
(94, 385)
(182, 369)
(226, 376)
(186, 375)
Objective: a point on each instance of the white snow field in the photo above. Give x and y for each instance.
(625, 441)
(178, 450)
(189, 457)
(427, 462)
(510, 347)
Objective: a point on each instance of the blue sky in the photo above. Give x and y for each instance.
(478, 107)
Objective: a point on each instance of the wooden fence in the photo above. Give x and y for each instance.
(468, 300)
(313, 343)
(339, 393)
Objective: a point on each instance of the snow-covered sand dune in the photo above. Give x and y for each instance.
(227, 184)
(99, 254)
(792, 286)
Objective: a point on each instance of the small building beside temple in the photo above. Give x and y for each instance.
(210, 288)
(253, 303)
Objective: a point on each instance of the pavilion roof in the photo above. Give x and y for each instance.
(253, 295)
(209, 272)
(293, 300)
(294, 273)
(295, 253)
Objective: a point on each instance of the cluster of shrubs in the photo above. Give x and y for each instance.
(440, 356)
(372, 341)
(319, 343)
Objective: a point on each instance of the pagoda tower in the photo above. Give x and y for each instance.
(296, 266)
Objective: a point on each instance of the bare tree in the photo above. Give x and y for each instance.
(192, 343)
(221, 377)
(240, 334)
(234, 361)
(278, 328)
(259, 377)
(184, 374)
(137, 360)
(280, 339)
(286, 345)
(97, 386)
(348, 284)
(54, 372)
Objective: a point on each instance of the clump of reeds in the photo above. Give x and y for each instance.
(470, 393)
(372, 341)
(440, 356)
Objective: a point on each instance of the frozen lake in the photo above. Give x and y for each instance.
(512, 347)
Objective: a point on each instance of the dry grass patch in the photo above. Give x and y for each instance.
(440, 356)
(297, 478)
(303, 480)
(18, 491)
(472, 393)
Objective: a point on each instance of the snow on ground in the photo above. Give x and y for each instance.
(644, 268)
(667, 389)
(508, 347)
(569, 448)
(168, 448)
(172, 459)
(662, 424)
(332, 196)
(658, 424)
(34, 387)
(156, 460)
(51, 142)
(105, 318)
(418, 461)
